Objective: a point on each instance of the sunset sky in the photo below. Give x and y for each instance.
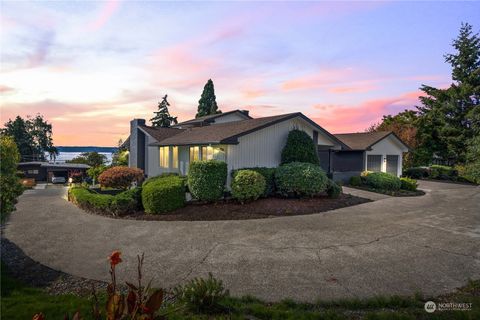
(90, 67)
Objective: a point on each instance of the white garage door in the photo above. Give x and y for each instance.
(374, 162)
(392, 164)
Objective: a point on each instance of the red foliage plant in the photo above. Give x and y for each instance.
(120, 177)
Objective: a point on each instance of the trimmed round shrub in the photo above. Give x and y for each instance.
(269, 176)
(299, 148)
(383, 181)
(333, 189)
(355, 181)
(206, 179)
(248, 185)
(164, 194)
(408, 184)
(417, 172)
(300, 179)
(120, 177)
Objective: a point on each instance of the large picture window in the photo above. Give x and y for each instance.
(175, 157)
(194, 153)
(207, 153)
(164, 157)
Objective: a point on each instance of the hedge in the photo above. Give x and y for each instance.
(417, 172)
(267, 173)
(123, 203)
(333, 189)
(248, 185)
(206, 179)
(120, 177)
(408, 184)
(163, 194)
(300, 179)
(383, 181)
(443, 172)
(300, 148)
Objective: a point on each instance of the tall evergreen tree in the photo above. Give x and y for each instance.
(207, 104)
(33, 137)
(450, 117)
(162, 117)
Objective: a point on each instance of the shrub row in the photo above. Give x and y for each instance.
(164, 193)
(300, 179)
(125, 202)
(383, 181)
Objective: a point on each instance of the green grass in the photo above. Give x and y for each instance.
(21, 302)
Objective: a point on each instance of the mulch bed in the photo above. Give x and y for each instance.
(259, 209)
(399, 193)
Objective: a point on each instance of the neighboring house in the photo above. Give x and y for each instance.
(372, 151)
(237, 139)
(44, 171)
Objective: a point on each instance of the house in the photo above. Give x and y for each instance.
(44, 171)
(380, 151)
(241, 141)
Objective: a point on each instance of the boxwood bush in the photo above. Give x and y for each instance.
(355, 181)
(299, 148)
(126, 202)
(383, 181)
(333, 189)
(408, 184)
(300, 179)
(248, 185)
(206, 179)
(269, 176)
(163, 194)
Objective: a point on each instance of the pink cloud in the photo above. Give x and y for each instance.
(354, 88)
(319, 79)
(339, 118)
(107, 10)
(6, 89)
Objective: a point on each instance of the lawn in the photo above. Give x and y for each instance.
(21, 302)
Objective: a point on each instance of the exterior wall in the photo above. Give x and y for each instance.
(263, 148)
(136, 158)
(42, 172)
(231, 117)
(387, 146)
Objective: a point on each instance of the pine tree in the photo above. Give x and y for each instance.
(162, 117)
(207, 104)
(450, 117)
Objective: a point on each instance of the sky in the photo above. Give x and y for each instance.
(89, 67)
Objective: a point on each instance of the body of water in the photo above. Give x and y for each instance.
(68, 153)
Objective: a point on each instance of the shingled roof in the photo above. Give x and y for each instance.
(210, 118)
(364, 140)
(159, 133)
(222, 133)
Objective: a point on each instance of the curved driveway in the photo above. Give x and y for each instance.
(393, 245)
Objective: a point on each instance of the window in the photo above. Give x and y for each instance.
(374, 162)
(32, 171)
(219, 153)
(164, 159)
(175, 157)
(194, 153)
(207, 153)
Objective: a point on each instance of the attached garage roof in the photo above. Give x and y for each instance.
(365, 140)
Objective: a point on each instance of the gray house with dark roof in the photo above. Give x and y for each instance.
(241, 141)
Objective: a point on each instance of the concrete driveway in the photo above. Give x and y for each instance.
(391, 246)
